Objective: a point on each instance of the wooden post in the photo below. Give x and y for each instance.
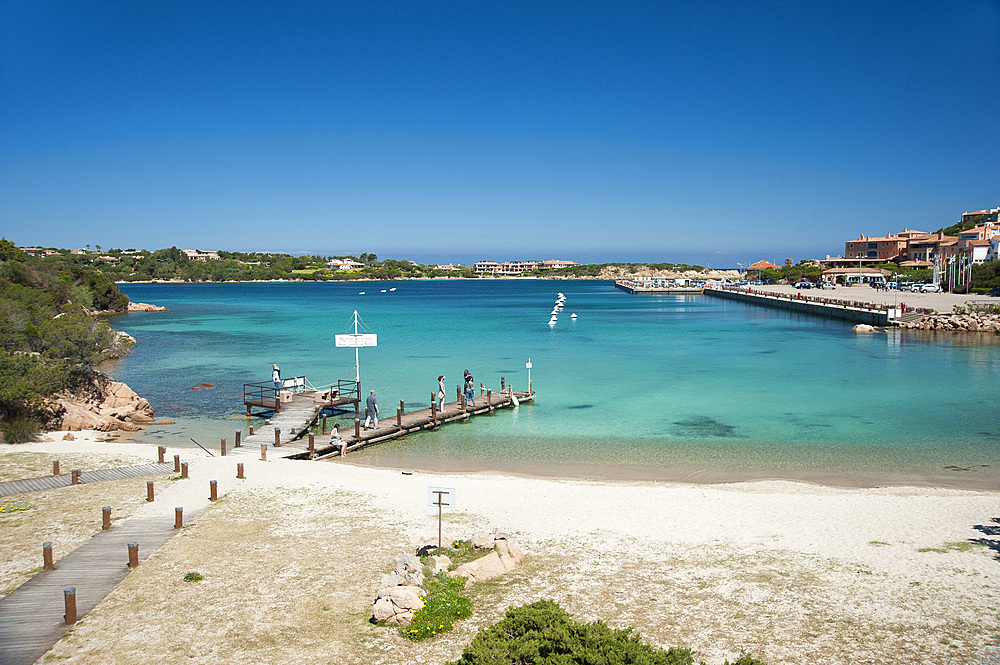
(106, 518)
(458, 393)
(312, 444)
(399, 417)
(489, 398)
(184, 469)
(55, 468)
(160, 452)
(177, 463)
(357, 427)
(133, 554)
(402, 407)
(213, 490)
(178, 517)
(239, 435)
(47, 556)
(277, 437)
(263, 451)
(324, 425)
(482, 390)
(434, 409)
(75, 476)
(501, 384)
(149, 490)
(69, 596)
(239, 470)
(251, 430)
(223, 447)
(530, 391)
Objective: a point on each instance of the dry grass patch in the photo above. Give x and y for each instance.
(19, 465)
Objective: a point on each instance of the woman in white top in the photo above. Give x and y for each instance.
(336, 441)
(440, 392)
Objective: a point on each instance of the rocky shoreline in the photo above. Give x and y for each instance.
(956, 322)
(103, 404)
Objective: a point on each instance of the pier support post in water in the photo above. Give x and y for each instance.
(106, 518)
(530, 390)
(239, 435)
(402, 407)
(160, 452)
(399, 417)
(223, 447)
(177, 463)
(458, 394)
(74, 477)
(239, 470)
(133, 554)
(312, 445)
(501, 384)
(213, 490)
(55, 467)
(184, 469)
(149, 490)
(47, 556)
(357, 427)
(178, 517)
(277, 437)
(489, 399)
(69, 596)
(434, 409)
(263, 452)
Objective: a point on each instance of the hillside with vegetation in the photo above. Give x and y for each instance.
(49, 340)
(172, 264)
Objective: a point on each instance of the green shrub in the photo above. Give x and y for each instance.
(193, 577)
(19, 430)
(542, 633)
(444, 604)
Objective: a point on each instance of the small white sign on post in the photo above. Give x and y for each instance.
(356, 340)
(440, 497)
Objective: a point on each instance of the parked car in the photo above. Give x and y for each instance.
(892, 285)
(930, 288)
(995, 291)
(803, 284)
(827, 285)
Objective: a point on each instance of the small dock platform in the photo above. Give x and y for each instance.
(287, 433)
(630, 286)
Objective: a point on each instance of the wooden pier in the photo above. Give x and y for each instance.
(287, 433)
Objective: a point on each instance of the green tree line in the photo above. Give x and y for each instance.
(48, 343)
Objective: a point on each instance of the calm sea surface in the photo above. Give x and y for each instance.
(638, 386)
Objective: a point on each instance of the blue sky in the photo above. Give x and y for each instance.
(710, 132)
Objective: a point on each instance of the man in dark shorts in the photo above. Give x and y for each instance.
(371, 412)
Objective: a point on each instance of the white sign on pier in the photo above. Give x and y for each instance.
(356, 340)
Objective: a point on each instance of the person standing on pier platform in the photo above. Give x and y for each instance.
(371, 412)
(276, 376)
(441, 393)
(470, 389)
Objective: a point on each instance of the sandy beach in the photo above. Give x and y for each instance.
(792, 572)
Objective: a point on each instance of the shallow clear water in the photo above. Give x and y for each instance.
(646, 385)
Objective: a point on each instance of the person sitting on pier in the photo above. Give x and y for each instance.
(336, 441)
(371, 412)
(276, 376)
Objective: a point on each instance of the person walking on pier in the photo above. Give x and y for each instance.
(441, 393)
(470, 389)
(371, 412)
(276, 376)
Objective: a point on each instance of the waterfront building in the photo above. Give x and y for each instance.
(344, 264)
(510, 268)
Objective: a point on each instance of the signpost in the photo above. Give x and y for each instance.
(357, 341)
(440, 497)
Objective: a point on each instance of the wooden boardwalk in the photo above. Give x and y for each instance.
(27, 485)
(31, 616)
(296, 417)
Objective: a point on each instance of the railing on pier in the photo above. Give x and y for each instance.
(264, 395)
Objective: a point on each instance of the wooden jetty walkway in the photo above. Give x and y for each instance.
(287, 433)
(32, 615)
(27, 485)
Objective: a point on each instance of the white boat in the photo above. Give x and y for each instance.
(552, 321)
(393, 288)
(573, 315)
(361, 293)
(383, 290)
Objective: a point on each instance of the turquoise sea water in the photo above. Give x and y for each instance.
(638, 386)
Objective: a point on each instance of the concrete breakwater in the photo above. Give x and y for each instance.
(855, 312)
